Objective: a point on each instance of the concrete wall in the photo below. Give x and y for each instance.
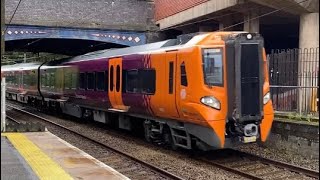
(295, 138)
(105, 14)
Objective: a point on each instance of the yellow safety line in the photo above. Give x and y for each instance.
(41, 164)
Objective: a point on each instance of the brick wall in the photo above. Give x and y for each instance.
(165, 8)
(105, 14)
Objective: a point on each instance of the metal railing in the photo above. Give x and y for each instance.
(294, 80)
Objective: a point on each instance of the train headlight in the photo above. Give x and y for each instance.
(266, 98)
(211, 101)
(249, 36)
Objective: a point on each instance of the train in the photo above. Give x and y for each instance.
(200, 91)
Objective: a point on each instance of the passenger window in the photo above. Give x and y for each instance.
(52, 80)
(90, 81)
(170, 77)
(140, 81)
(100, 80)
(32, 79)
(43, 80)
(48, 80)
(184, 80)
(147, 81)
(26, 80)
(67, 80)
(132, 80)
(73, 81)
(111, 78)
(106, 81)
(82, 81)
(118, 79)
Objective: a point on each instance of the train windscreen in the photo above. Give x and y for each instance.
(212, 65)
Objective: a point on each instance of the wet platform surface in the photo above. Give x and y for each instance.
(42, 155)
(13, 165)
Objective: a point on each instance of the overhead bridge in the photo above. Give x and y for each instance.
(68, 40)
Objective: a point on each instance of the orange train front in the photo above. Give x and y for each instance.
(204, 91)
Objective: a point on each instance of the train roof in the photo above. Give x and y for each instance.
(181, 41)
(20, 66)
(171, 44)
(120, 51)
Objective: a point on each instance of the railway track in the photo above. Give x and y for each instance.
(13, 119)
(116, 153)
(244, 164)
(258, 168)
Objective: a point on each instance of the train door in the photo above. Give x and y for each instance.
(115, 85)
(182, 91)
(171, 69)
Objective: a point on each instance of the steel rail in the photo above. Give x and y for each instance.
(283, 165)
(146, 164)
(13, 119)
(233, 170)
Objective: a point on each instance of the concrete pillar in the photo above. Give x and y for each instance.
(308, 61)
(309, 30)
(251, 25)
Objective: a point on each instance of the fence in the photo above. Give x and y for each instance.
(294, 79)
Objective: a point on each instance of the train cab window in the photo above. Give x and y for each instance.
(184, 80)
(147, 78)
(100, 80)
(90, 81)
(212, 66)
(82, 81)
(132, 81)
(170, 77)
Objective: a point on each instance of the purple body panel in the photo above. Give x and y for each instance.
(139, 103)
(136, 101)
(91, 98)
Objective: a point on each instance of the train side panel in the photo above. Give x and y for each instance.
(87, 94)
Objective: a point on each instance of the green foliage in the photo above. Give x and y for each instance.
(300, 117)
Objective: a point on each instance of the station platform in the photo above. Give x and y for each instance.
(42, 155)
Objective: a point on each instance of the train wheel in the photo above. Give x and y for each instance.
(147, 130)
